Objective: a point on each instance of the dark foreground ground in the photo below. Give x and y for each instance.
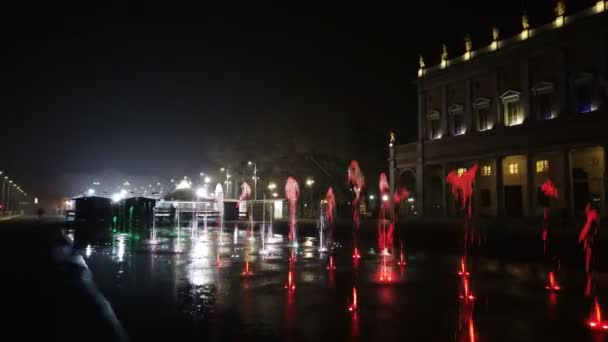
(174, 290)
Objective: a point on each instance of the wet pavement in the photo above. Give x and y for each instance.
(178, 289)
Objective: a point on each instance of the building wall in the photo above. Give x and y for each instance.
(552, 58)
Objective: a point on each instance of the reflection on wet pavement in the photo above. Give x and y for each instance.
(192, 285)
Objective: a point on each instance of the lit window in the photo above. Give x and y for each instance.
(513, 168)
(461, 171)
(434, 130)
(544, 100)
(481, 108)
(457, 125)
(482, 119)
(486, 170)
(456, 113)
(583, 98)
(542, 166)
(511, 108)
(434, 124)
(583, 93)
(512, 114)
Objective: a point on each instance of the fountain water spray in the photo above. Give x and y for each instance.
(291, 282)
(245, 196)
(595, 321)
(402, 261)
(326, 218)
(292, 192)
(331, 265)
(357, 181)
(549, 190)
(354, 305)
(588, 234)
(219, 202)
(385, 205)
(552, 285)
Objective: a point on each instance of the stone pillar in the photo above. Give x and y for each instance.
(496, 99)
(468, 110)
(531, 189)
(446, 191)
(525, 90)
(499, 188)
(422, 131)
(568, 198)
(420, 185)
(422, 136)
(563, 86)
(444, 111)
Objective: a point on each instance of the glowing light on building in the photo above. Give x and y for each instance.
(201, 192)
(600, 6)
(183, 184)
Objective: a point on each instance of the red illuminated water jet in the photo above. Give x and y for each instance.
(331, 265)
(246, 272)
(385, 205)
(218, 261)
(357, 181)
(467, 294)
(588, 234)
(354, 306)
(463, 268)
(402, 262)
(462, 186)
(330, 201)
(291, 282)
(292, 192)
(552, 284)
(245, 196)
(549, 190)
(356, 254)
(386, 274)
(596, 321)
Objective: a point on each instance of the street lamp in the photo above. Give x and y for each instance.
(272, 186)
(309, 183)
(255, 179)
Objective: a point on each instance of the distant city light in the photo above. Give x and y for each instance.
(183, 184)
(91, 192)
(35, 200)
(274, 194)
(272, 186)
(385, 198)
(115, 197)
(371, 197)
(207, 180)
(201, 192)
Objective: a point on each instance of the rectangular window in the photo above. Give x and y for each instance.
(542, 166)
(461, 171)
(483, 115)
(513, 168)
(486, 197)
(486, 170)
(583, 98)
(512, 113)
(434, 125)
(457, 126)
(545, 108)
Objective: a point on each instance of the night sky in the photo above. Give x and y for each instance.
(164, 92)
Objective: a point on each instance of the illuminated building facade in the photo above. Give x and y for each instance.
(525, 109)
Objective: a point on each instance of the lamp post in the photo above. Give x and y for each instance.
(309, 183)
(8, 195)
(227, 181)
(4, 179)
(255, 179)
